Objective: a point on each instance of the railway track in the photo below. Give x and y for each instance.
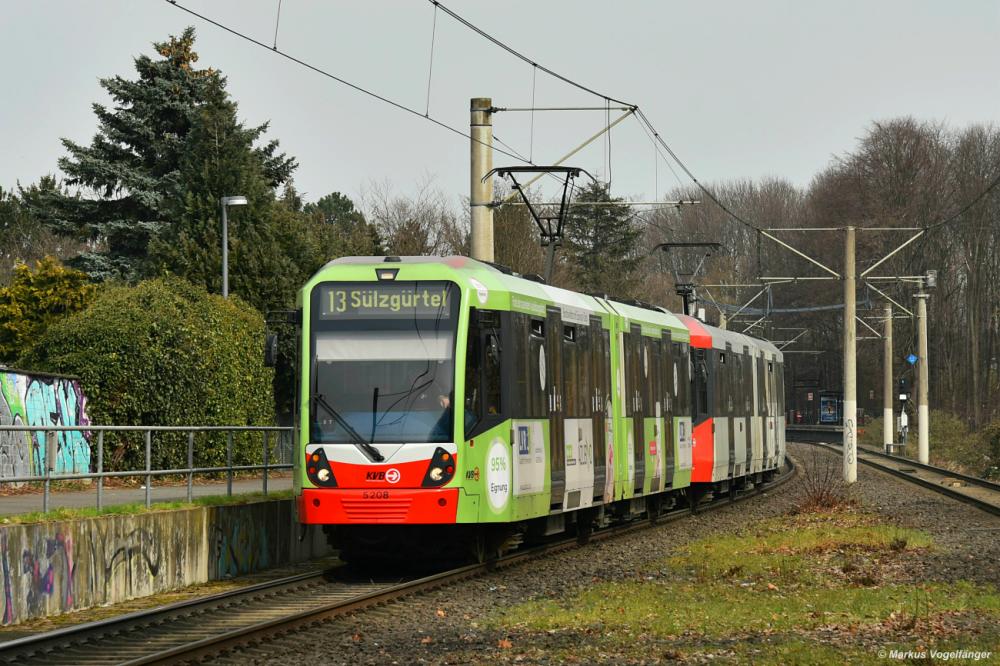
(199, 628)
(980, 493)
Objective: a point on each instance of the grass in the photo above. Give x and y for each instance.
(950, 442)
(806, 588)
(140, 507)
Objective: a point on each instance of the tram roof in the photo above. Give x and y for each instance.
(524, 295)
(705, 336)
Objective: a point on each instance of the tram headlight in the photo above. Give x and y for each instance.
(318, 469)
(441, 469)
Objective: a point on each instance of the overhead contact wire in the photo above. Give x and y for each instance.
(345, 82)
(517, 54)
(430, 66)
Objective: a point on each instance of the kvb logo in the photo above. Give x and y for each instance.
(391, 475)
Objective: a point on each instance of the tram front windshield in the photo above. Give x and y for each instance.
(383, 362)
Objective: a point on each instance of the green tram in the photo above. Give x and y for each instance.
(447, 402)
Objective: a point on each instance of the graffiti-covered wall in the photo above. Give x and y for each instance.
(41, 400)
(52, 568)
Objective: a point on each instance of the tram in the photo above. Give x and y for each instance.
(447, 404)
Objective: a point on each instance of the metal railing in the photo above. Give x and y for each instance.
(272, 437)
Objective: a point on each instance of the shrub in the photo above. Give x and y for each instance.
(36, 299)
(822, 486)
(951, 443)
(989, 438)
(165, 352)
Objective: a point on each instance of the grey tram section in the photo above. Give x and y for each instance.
(151, 637)
(275, 448)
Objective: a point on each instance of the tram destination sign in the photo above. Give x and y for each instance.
(385, 300)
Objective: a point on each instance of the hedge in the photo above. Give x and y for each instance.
(165, 352)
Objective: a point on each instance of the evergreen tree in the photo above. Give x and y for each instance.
(602, 242)
(266, 253)
(133, 174)
(24, 235)
(351, 232)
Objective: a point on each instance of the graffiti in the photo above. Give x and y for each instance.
(15, 459)
(42, 401)
(240, 547)
(125, 558)
(49, 572)
(8, 599)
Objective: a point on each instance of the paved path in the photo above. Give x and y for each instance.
(15, 504)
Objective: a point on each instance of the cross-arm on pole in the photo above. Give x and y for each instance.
(573, 152)
(888, 298)
(800, 253)
(794, 339)
(888, 256)
(866, 325)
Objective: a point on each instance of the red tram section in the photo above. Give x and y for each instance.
(702, 423)
(401, 492)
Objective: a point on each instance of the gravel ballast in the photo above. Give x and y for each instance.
(446, 626)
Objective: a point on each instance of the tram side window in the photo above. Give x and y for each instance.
(571, 371)
(606, 365)
(761, 409)
(747, 384)
(585, 390)
(738, 388)
(700, 382)
(653, 381)
(780, 388)
(491, 373)
(682, 398)
(667, 375)
(686, 377)
(721, 383)
(526, 341)
(473, 371)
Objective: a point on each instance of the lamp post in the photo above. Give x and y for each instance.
(226, 202)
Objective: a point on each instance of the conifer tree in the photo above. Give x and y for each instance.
(133, 176)
(602, 242)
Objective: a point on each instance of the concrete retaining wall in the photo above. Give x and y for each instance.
(51, 568)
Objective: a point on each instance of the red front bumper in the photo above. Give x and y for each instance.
(381, 506)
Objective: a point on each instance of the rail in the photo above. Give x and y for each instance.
(980, 493)
(201, 628)
(278, 438)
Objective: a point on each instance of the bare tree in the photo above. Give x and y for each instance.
(424, 224)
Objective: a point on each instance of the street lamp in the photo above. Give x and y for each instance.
(226, 202)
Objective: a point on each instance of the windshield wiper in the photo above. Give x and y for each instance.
(370, 451)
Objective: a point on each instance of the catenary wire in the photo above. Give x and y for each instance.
(430, 65)
(521, 56)
(964, 209)
(323, 72)
(277, 21)
(640, 114)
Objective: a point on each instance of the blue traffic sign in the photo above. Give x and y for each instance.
(912, 358)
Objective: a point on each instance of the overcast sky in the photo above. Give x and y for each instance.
(739, 89)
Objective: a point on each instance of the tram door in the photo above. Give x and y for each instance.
(728, 376)
(554, 391)
(600, 390)
(746, 384)
(668, 394)
(635, 380)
